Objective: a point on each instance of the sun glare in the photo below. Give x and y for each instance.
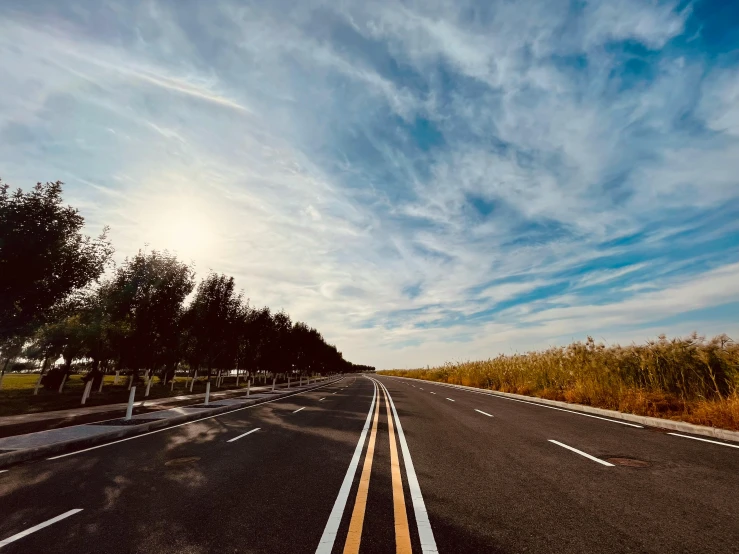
(184, 229)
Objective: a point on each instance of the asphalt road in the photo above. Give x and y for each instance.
(329, 471)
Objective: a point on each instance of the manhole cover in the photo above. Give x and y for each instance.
(181, 461)
(628, 462)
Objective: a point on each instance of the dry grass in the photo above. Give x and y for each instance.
(691, 379)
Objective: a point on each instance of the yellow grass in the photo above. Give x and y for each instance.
(691, 379)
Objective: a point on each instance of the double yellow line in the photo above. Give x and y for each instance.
(402, 531)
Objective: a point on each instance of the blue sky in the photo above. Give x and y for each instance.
(422, 181)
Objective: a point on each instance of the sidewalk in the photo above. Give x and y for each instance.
(18, 448)
(40, 421)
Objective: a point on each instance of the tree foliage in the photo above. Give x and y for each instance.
(146, 298)
(43, 255)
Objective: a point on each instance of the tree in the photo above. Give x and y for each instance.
(146, 298)
(211, 319)
(63, 335)
(10, 349)
(43, 255)
(306, 347)
(252, 343)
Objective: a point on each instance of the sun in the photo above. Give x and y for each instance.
(182, 227)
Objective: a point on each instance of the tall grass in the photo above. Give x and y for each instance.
(691, 378)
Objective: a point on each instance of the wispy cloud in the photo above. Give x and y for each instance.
(421, 180)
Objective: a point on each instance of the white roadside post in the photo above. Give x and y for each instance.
(148, 385)
(129, 408)
(194, 376)
(237, 378)
(248, 387)
(102, 380)
(288, 381)
(64, 379)
(115, 379)
(88, 386)
(171, 384)
(207, 393)
(274, 380)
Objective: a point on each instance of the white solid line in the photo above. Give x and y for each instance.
(326, 544)
(241, 436)
(425, 533)
(704, 440)
(537, 404)
(420, 388)
(180, 425)
(39, 527)
(451, 400)
(483, 413)
(432, 392)
(324, 398)
(334, 392)
(582, 453)
(296, 411)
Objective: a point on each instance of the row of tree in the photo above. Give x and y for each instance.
(58, 300)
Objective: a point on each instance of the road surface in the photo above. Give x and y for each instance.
(381, 465)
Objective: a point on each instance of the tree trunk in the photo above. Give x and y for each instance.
(66, 372)
(95, 374)
(2, 373)
(41, 375)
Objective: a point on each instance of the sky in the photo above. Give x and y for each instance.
(423, 182)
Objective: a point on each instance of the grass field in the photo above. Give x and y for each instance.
(16, 394)
(689, 379)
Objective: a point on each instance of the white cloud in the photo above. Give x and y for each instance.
(275, 146)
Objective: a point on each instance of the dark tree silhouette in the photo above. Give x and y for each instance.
(43, 256)
(147, 295)
(210, 322)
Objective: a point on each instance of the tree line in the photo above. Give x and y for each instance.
(61, 297)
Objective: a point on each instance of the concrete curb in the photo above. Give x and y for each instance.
(672, 425)
(28, 454)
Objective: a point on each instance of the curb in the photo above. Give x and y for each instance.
(28, 454)
(672, 425)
